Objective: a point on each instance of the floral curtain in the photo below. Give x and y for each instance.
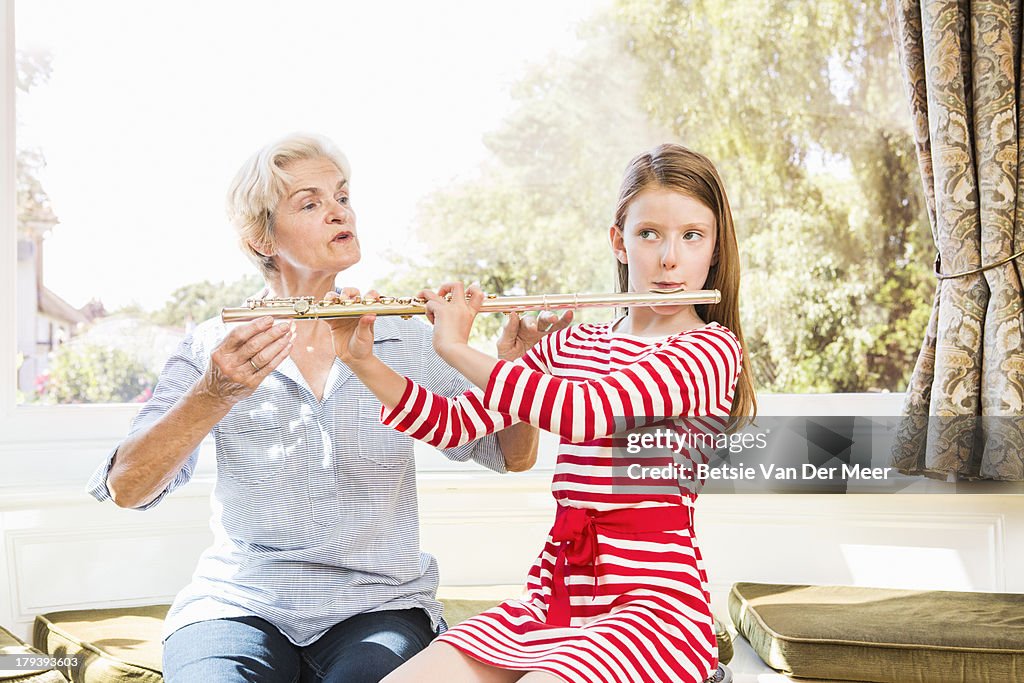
(964, 410)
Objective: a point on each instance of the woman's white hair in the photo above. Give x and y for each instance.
(261, 183)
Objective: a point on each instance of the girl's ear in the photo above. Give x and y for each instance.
(618, 243)
(714, 258)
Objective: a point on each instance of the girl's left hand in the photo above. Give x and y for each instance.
(521, 333)
(453, 320)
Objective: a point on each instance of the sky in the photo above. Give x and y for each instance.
(152, 107)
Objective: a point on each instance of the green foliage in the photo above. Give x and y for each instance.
(535, 219)
(33, 67)
(199, 301)
(801, 106)
(88, 373)
(35, 215)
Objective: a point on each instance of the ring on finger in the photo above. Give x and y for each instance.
(252, 362)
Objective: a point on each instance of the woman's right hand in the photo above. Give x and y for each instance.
(243, 360)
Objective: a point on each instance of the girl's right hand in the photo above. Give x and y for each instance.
(452, 311)
(244, 358)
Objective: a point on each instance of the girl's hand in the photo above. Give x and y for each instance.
(352, 337)
(453, 320)
(520, 334)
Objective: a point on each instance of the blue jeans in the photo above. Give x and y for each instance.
(362, 649)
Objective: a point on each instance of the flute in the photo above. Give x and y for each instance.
(309, 308)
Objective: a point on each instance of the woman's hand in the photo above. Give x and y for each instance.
(520, 334)
(453, 320)
(243, 360)
(352, 337)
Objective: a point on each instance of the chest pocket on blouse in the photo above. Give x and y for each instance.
(377, 442)
(250, 447)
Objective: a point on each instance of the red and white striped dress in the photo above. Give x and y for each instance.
(619, 593)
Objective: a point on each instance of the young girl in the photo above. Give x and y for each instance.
(618, 593)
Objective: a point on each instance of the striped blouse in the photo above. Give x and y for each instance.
(314, 510)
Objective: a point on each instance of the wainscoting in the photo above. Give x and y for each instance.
(61, 550)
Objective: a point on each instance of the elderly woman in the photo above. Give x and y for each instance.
(315, 572)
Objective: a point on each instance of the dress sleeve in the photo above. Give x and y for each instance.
(691, 375)
(471, 435)
(449, 421)
(441, 421)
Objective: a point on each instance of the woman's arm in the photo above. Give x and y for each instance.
(148, 460)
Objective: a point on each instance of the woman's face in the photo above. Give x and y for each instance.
(314, 225)
(667, 242)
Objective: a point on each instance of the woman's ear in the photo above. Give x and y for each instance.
(618, 243)
(263, 249)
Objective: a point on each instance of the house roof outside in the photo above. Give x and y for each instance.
(51, 305)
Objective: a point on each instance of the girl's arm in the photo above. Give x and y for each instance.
(438, 420)
(441, 421)
(694, 375)
(691, 377)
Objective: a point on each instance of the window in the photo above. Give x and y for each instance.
(487, 143)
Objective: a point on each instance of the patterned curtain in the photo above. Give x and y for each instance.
(964, 410)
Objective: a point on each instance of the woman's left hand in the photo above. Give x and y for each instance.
(352, 337)
(453, 319)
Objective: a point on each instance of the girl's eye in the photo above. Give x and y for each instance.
(646, 234)
(692, 235)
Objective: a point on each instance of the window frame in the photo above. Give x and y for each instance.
(32, 431)
(42, 446)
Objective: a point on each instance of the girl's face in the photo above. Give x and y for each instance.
(667, 242)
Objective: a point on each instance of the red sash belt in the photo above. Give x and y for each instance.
(576, 530)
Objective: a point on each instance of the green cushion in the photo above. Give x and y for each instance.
(123, 643)
(724, 642)
(846, 633)
(119, 644)
(12, 645)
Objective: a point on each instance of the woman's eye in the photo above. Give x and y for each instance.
(343, 200)
(309, 206)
